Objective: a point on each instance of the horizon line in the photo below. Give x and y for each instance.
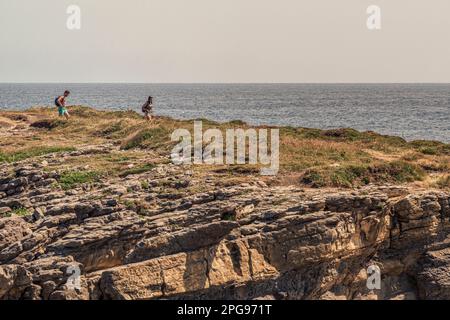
(223, 83)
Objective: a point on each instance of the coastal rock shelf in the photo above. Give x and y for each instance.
(246, 241)
(94, 209)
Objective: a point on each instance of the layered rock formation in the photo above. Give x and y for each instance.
(124, 239)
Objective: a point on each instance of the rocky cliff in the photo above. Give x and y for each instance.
(246, 241)
(156, 235)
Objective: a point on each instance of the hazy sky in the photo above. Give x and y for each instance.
(225, 41)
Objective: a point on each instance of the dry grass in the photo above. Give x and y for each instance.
(318, 158)
(443, 182)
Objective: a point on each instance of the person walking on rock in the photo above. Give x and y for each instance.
(60, 102)
(147, 109)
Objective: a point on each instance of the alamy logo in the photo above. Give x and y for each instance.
(373, 277)
(209, 147)
(74, 279)
(74, 18)
(374, 19)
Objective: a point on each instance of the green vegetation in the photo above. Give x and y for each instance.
(21, 212)
(320, 158)
(31, 152)
(344, 135)
(229, 216)
(137, 170)
(152, 138)
(112, 128)
(145, 185)
(431, 147)
(130, 205)
(137, 206)
(71, 179)
(353, 175)
(398, 171)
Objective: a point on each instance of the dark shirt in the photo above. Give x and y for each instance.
(147, 107)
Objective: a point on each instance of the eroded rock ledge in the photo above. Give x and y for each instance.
(245, 241)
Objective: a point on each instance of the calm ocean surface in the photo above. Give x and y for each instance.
(416, 111)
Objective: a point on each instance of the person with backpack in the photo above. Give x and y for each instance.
(147, 108)
(60, 102)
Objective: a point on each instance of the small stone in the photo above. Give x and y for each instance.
(19, 190)
(182, 184)
(5, 210)
(261, 184)
(71, 192)
(38, 214)
(47, 288)
(33, 292)
(111, 202)
(36, 178)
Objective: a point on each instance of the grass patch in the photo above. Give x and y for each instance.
(31, 153)
(236, 123)
(112, 128)
(130, 205)
(49, 124)
(356, 175)
(398, 171)
(238, 169)
(443, 182)
(229, 216)
(21, 212)
(145, 185)
(297, 155)
(314, 178)
(137, 170)
(348, 176)
(71, 179)
(83, 112)
(346, 134)
(152, 137)
(431, 147)
(337, 157)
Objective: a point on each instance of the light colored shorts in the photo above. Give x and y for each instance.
(62, 111)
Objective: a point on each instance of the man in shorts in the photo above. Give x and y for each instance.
(60, 102)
